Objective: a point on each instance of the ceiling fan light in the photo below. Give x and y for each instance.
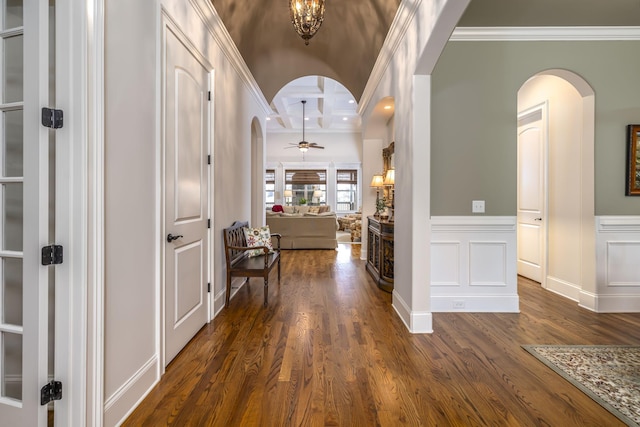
(304, 149)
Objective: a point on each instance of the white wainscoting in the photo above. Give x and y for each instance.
(617, 264)
(473, 264)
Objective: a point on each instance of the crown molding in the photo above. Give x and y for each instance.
(219, 32)
(545, 33)
(401, 22)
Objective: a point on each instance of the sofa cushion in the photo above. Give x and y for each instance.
(324, 208)
(258, 236)
(314, 209)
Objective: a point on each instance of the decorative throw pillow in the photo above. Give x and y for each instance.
(277, 208)
(314, 209)
(258, 236)
(324, 208)
(302, 209)
(287, 209)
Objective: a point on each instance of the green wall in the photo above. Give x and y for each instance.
(473, 140)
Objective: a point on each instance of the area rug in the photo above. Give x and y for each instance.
(610, 375)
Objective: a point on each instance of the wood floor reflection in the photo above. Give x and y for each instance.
(329, 350)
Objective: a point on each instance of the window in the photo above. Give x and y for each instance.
(307, 184)
(346, 190)
(270, 186)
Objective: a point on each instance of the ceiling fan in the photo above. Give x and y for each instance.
(304, 145)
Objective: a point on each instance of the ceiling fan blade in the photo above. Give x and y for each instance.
(316, 146)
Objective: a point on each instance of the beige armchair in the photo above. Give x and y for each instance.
(356, 230)
(346, 221)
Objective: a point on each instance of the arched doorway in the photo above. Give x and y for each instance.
(556, 182)
(257, 174)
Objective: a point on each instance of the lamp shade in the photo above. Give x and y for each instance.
(288, 193)
(390, 177)
(317, 194)
(377, 181)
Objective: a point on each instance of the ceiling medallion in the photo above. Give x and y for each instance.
(306, 17)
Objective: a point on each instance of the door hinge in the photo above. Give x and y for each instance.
(209, 159)
(209, 223)
(209, 96)
(50, 392)
(52, 255)
(51, 118)
(209, 287)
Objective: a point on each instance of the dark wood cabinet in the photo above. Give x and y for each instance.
(380, 252)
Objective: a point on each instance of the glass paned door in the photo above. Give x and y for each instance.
(24, 152)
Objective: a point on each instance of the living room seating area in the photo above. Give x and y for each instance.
(304, 227)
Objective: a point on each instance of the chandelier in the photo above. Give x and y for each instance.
(306, 17)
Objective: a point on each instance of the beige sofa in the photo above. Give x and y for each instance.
(305, 231)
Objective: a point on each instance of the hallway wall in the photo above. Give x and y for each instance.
(133, 276)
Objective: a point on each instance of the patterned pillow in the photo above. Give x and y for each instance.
(324, 208)
(314, 209)
(259, 236)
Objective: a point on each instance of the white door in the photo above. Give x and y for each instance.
(186, 194)
(532, 139)
(24, 227)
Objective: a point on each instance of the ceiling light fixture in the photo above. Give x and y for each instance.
(306, 17)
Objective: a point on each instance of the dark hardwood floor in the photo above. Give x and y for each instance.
(329, 350)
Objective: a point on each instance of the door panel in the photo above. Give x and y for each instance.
(530, 209)
(24, 219)
(186, 142)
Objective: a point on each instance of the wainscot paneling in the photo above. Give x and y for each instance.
(617, 260)
(473, 264)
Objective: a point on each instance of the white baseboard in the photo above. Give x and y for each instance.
(613, 303)
(563, 288)
(416, 322)
(121, 403)
(476, 304)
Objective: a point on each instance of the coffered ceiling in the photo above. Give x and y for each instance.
(347, 45)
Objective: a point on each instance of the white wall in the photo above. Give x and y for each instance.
(132, 359)
(371, 165)
(338, 147)
(416, 38)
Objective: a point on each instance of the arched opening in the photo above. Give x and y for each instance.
(257, 174)
(378, 134)
(556, 121)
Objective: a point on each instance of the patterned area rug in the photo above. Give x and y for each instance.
(610, 375)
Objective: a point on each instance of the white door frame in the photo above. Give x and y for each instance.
(586, 157)
(80, 211)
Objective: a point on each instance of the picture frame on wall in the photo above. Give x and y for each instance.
(633, 160)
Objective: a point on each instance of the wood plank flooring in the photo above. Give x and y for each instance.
(329, 350)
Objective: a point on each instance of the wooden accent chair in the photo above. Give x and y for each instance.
(239, 264)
